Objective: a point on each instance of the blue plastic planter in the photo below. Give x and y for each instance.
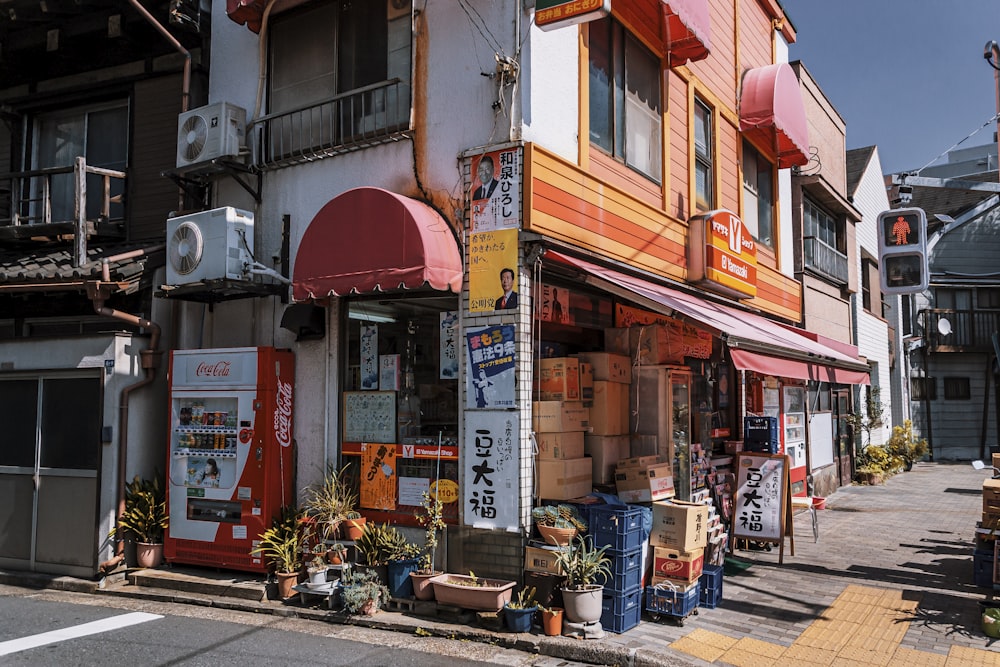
(400, 584)
(519, 620)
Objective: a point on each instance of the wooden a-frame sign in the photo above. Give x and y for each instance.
(762, 505)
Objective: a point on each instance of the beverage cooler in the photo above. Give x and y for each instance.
(230, 455)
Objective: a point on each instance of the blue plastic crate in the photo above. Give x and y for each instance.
(711, 586)
(621, 612)
(672, 601)
(760, 434)
(616, 527)
(626, 570)
(982, 572)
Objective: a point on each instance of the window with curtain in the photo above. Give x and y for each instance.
(704, 169)
(625, 107)
(758, 196)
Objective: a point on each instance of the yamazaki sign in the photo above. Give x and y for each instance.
(722, 254)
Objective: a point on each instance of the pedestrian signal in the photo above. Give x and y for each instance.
(902, 244)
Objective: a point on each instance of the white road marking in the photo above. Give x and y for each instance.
(93, 628)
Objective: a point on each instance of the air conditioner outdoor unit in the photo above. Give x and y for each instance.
(209, 132)
(210, 245)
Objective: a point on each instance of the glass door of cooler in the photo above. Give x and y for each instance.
(794, 435)
(680, 432)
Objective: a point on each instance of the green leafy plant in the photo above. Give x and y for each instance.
(145, 516)
(525, 599)
(331, 501)
(582, 563)
(281, 544)
(362, 592)
(431, 518)
(381, 543)
(872, 417)
(559, 516)
(904, 446)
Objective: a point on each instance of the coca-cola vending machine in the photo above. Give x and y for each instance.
(230, 453)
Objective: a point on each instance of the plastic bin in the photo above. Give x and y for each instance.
(672, 601)
(711, 586)
(618, 528)
(982, 572)
(626, 570)
(621, 612)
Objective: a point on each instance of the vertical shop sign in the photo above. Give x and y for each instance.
(378, 476)
(759, 504)
(496, 190)
(490, 371)
(369, 356)
(491, 254)
(448, 345)
(490, 459)
(388, 375)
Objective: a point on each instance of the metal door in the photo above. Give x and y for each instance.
(49, 472)
(843, 436)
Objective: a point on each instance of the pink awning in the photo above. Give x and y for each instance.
(771, 110)
(790, 368)
(369, 239)
(687, 30)
(741, 330)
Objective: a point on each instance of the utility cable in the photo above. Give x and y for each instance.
(992, 119)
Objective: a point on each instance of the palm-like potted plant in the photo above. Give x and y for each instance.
(330, 502)
(582, 564)
(432, 519)
(145, 518)
(281, 546)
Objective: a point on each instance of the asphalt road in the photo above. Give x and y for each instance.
(60, 628)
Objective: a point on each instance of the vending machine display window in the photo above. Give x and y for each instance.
(400, 403)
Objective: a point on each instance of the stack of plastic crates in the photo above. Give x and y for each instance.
(619, 528)
(675, 601)
(711, 586)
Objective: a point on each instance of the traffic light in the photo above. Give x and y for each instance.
(902, 251)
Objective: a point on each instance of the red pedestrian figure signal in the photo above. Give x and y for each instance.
(902, 241)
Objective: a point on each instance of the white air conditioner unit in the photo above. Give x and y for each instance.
(210, 245)
(209, 132)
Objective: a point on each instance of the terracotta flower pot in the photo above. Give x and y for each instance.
(354, 528)
(148, 555)
(286, 580)
(557, 537)
(552, 621)
(460, 590)
(423, 589)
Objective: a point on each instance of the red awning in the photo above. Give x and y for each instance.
(790, 368)
(771, 110)
(246, 12)
(687, 30)
(369, 239)
(741, 330)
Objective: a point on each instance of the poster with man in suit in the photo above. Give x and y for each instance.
(495, 190)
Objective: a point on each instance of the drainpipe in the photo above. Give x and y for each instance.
(150, 361)
(186, 85)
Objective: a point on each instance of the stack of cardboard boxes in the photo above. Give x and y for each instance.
(559, 421)
(984, 558)
(678, 540)
(607, 441)
(644, 479)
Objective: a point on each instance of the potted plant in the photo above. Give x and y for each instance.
(379, 544)
(354, 525)
(471, 592)
(330, 502)
(904, 447)
(145, 518)
(362, 592)
(317, 570)
(582, 564)
(432, 519)
(551, 620)
(518, 612)
(558, 524)
(281, 545)
(337, 554)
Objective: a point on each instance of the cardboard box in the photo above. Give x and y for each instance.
(559, 379)
(991, 493)
(605, 451)
(640, 461)
(646, 484)
(681, 566)
(609, 410)
(565, 479)
(679, 525)
(996, 460)
(554, 446)
(607, 366)
(559, 416)
(586, 381)
(542, 559)
(657, 344)
(616, 341)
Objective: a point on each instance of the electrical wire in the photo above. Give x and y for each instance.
(992, 119)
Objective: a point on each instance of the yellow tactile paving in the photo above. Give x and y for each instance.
(963, 656)
(862, 628)
(907, 657)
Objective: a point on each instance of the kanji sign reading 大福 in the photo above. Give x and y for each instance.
(759, 501)
(490, 458)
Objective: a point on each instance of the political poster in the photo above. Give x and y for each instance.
(491, 367)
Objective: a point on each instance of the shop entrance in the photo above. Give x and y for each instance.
(49, 473)
(843, 436)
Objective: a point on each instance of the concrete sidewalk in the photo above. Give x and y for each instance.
(889, 582)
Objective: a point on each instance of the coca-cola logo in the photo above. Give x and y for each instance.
(283, 414)
(219, 369)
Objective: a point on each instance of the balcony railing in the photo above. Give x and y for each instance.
(61, 201)
(375, 114)
(969, 330)
(825, 260)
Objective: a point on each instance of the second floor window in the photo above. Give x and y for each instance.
(704, 169)
(758, 196)
(824, 243)
(625, 116)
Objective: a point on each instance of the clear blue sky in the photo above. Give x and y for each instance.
(906, 75)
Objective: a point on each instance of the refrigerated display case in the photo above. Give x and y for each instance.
(230, 456)
(661, 407)
(794, 435)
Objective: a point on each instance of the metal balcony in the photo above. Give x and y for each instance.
(372, 115)
(970, 330)
(825, 260)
